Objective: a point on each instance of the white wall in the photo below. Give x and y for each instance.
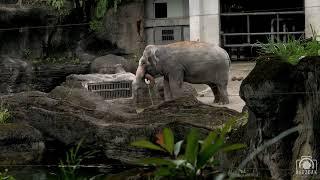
(312, 16)
(148, 9)
(204, 21)
(176, 8)
(149, 36)
(186, 33)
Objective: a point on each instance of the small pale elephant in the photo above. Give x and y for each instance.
(193, 62)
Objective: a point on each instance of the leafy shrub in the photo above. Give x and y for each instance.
(5, 176)
(4, 114)
(292, 50)
(198, 154)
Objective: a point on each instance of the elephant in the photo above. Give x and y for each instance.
(146, 96)
(186, 61)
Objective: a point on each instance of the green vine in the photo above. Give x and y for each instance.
(100, 9)
(59, 6)
(102, 6)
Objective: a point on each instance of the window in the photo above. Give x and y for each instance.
(167, 35)
(160, 10)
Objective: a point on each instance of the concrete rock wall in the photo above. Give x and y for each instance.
(124, 27)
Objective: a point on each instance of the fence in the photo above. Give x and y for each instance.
(280, 25)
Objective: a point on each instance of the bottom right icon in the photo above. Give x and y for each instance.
(306, 165)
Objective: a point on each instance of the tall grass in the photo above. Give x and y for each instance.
(70, 167)
(291, 50)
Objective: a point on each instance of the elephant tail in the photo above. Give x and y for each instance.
(228, 58)
(226, 55)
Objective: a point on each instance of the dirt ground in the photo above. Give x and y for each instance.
(238, 70)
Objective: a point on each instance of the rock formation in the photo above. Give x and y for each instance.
(124, 27)
(106, 64)
(67, 115)
(280, 96)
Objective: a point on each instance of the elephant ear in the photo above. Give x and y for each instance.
(155, 55)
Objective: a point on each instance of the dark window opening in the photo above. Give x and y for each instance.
(8, 1)
(168, 35)
(248, 22)
(161, 10)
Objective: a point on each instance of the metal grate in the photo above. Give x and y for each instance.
(167, 35)
(111, 90)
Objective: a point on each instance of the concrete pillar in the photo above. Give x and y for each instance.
(204, 21)
(312, 17)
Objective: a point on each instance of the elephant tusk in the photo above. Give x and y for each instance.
(150, 79)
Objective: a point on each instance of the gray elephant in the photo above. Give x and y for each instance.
(193, 62)
(144, 96)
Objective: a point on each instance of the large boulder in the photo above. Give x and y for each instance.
(28, 41)
(279, 96)
(48, 76)
(68, 115)
(81, 81)
(37, 42)
(16, 75)
(106, 64)
(20, 144)
(116, 88)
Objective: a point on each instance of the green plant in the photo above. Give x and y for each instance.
(5, 176)
(59, 6)
(4, 114)
(96, 25)
(56, 60)
(292, 50)
(26, 53)
(100, 9)
(70, 166)
(198, 155)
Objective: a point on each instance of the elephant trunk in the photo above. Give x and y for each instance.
(141, 75)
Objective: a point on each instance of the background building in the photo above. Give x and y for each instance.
(166, 21)
(236, 25)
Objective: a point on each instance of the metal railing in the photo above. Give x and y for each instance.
(274, 33)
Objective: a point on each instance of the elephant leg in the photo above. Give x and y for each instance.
(166, 89)
(215, 92)
(176, 82)
(222, 90)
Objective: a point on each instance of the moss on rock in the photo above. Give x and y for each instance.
(20, 144)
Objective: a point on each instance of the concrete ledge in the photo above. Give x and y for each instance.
(184, 21)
